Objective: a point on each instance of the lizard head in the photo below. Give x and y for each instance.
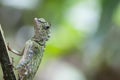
(42, 30)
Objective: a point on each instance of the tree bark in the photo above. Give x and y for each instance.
(7, 68)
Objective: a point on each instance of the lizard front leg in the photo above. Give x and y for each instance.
(19, 53)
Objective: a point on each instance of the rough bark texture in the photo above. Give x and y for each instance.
(7, 68)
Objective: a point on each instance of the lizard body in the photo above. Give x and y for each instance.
(33, 50)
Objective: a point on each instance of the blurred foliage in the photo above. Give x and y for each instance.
(62, 45)
(117, 16)
(67, 39)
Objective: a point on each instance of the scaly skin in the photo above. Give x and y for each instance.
(33, 50)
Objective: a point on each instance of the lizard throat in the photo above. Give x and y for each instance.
(39, 41)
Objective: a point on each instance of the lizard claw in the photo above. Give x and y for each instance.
(9, 47)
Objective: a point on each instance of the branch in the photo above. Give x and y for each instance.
(7, 67)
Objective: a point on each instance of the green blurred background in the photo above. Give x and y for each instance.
(85, 36)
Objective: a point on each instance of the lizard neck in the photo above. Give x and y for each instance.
(41, 42)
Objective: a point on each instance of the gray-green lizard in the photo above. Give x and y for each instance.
(33, 50)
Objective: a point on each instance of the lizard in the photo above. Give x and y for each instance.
(33, 50)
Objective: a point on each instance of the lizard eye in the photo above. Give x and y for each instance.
(46, 27)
